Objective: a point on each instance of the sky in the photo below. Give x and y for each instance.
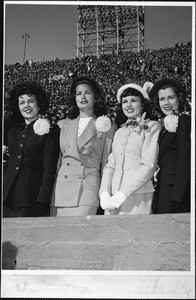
(53, 31)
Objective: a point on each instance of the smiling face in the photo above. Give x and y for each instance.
(132, 106)
(168, 100)
(85, 98)
(28, 107)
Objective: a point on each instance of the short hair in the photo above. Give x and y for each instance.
(132, 92)
(177, 87)
(29, 88)
(146, 106)
(99, 108)
(183, 103)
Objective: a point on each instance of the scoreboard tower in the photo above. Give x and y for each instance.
(109, 29)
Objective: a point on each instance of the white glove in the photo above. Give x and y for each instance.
(105, 201)
(117, 199)
(5, 149)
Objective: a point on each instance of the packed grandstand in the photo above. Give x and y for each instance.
(109, 70)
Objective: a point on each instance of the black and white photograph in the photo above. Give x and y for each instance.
(98, 150)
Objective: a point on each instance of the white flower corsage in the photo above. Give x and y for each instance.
(41, 126)
(171, 122)
(103, 124)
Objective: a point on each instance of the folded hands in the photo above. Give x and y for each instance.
(111, 202)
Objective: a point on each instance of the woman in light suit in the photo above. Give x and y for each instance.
(85, 142)
(126, 186)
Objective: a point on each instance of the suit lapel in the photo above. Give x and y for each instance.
(162, 133)
(89, 131)
(71, 137)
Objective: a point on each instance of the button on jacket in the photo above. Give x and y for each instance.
(174, 160)
(32, 163)
(81, 162)
(133, 160)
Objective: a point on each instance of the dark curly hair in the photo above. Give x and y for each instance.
(29, 88)
(146, 106)
(184, 105)
(99, 108)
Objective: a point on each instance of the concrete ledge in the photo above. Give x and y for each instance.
(137, 242)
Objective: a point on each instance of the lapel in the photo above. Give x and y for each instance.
(87, 134)
(163, 130)
(71, 137)
(162, 133)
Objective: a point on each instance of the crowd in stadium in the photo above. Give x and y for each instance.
(88, 165)
(109, 70)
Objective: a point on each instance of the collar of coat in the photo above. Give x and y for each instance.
(89, 131)
(23, 125)
(131, 123)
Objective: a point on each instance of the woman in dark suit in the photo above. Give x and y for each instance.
(173, 180)
(33, 149)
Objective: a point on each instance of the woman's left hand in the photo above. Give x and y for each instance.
(118, 199)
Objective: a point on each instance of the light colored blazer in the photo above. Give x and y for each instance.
(80, 164)
(133, 160)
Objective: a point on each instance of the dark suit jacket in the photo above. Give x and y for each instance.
(30, 173)
(174, 162)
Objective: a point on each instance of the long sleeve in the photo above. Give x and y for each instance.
(182, 179)
(149, 155)
(108, 172)
(51, 155)
(107, 148)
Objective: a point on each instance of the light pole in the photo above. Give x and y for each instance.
(25, 37)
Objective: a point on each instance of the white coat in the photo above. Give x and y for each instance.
(132, 162)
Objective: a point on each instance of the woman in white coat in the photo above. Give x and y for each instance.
(126, 186)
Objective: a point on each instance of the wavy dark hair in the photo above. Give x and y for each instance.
(28, 88)
(146, 106)
(184, 105)
(99, 108)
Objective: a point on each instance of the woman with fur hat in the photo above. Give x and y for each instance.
(33, 148)
(173, 180)
(85, 140)
(126, 186)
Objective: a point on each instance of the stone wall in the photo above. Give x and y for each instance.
(137, 242)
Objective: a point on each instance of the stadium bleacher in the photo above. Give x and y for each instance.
(109, 70)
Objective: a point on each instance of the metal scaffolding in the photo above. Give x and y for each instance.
(109, 29)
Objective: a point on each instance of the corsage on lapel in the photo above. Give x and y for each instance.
(41, 126)
(103, 124)
(143, 124)
(139, 124)
(171, 122)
